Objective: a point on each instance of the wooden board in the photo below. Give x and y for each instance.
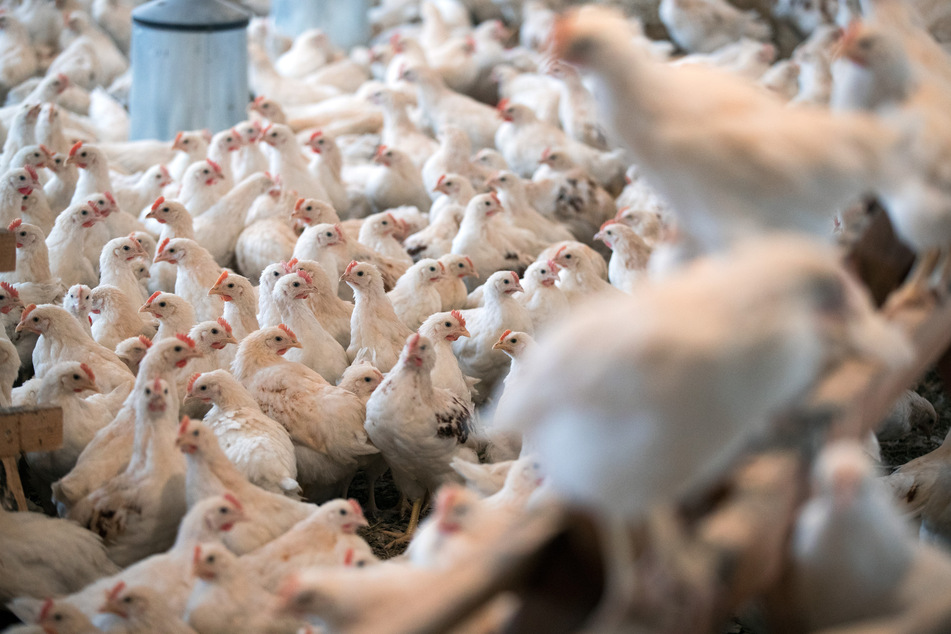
(8, 251)
(30, 429)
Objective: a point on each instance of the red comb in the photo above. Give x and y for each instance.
(186, 339)
(267, 129)
(459, 317)
(504, 335)
(347, 561)
(197, 556)
(75, 148)
(293, 263)
(503, 105)
(299, 204)
(350, 266)
(145, 341)
(224, 324)
(257, 100)
(290, 333)
(469, 260)
(110, 197)
(183, 425)
(612, 221)
(153, 296)
(356, 507)
(221, 278)
(216, 167)
(158, 201)
(495, 197)
(157, 384)
(88, 371)
(178, 137)
(305, 276)
(116, 591)
(380, 149)
(413, 340)
(231, 498)
(45, 610)
(164, 244)
(32, 172)
(546, 153)
(191, 382)
(9, 289)
(554, 267)
(441, 179)
(26, 311)
(165, 172)
(559, 251)
(316, 134)
(515, 276)
(46, 150)
(15, 224)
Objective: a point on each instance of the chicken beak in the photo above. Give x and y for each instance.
(24, 326)
(500, 345)
(462, 332)
(109, 607)
(92, 387)
(296, 344)
(162, 256)
(145, 308)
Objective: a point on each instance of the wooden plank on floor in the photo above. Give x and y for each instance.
(8, 251)
(30, 429)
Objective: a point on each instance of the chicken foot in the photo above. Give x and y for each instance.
(411, 529)
(917, 290)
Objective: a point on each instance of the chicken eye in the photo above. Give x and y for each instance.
(203, 388)
(195, 433)
(279, 339)
(277, 274)
(384, 223)
(448, 325)
(125, 248)
(513, 340)
(36, 319)
(329, 234)
(567, 256)
(461, 265)
(83, 154)
(85, 212)
(178, 348)
(165, 210)
(173, 251)
(23, 234)
(296, 284)
(432, 268)
(22, 178)
(343, 512)
(359, 273)
(223, 510)
(185, 142)
(75, 377)
(57, 617)
(211, 559)
(127, 600)
(367, 379)
(162, 304)
(148, 392)
(309, 208)
(505, 282)
(214, 331)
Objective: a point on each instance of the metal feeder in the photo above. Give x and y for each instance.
(190, 67)
(346, 23)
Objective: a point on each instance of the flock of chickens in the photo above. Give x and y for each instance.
(531, 251)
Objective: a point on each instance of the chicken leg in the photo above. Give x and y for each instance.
(917, 288)
(411, 529)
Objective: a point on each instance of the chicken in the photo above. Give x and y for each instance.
(66, 385)
(79, 26)
(118, 317)
(730, 193)
(379, 232)
(22, 197)
(320, 351)
(500, 311)
(240, 307)
(133, 350)
(47, 557)
(522, 138)
(137, 513)
(212, 339)
(32, 277)
(110, 450)
(147, 188)
(169, 573)
(17, 56)
(174, 314)
(93, 171)
(218, 228)
(519, 212)
(583, 270)
(263, 242)
(142, 609)
(630, 254)
(326, 166)
(287, 161)
(452, 287)
(361, 379)
(442, 329)
(703, 26)
(62, 339)
(220, 148)
(118, 264)
(417, 428)
(56, 617)
(258, 446)
(416, 295)
(545, 302)
(487, 240)
(395, 181)
(78, 303)
(375, 329)
(399, 129)
(918, 488)
(452, 157)
(226, 599)
(203, 185)
(61, 184)
(314, 541)
(442, 107)
(66, 243)
(794, 273)
(577, 109)
(911, 411)
(197, 272)
(847, 525)
(266, 514)
(325, 422)
(333, 313)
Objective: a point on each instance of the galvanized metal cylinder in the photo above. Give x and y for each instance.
(345, 22)
(189, 67)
